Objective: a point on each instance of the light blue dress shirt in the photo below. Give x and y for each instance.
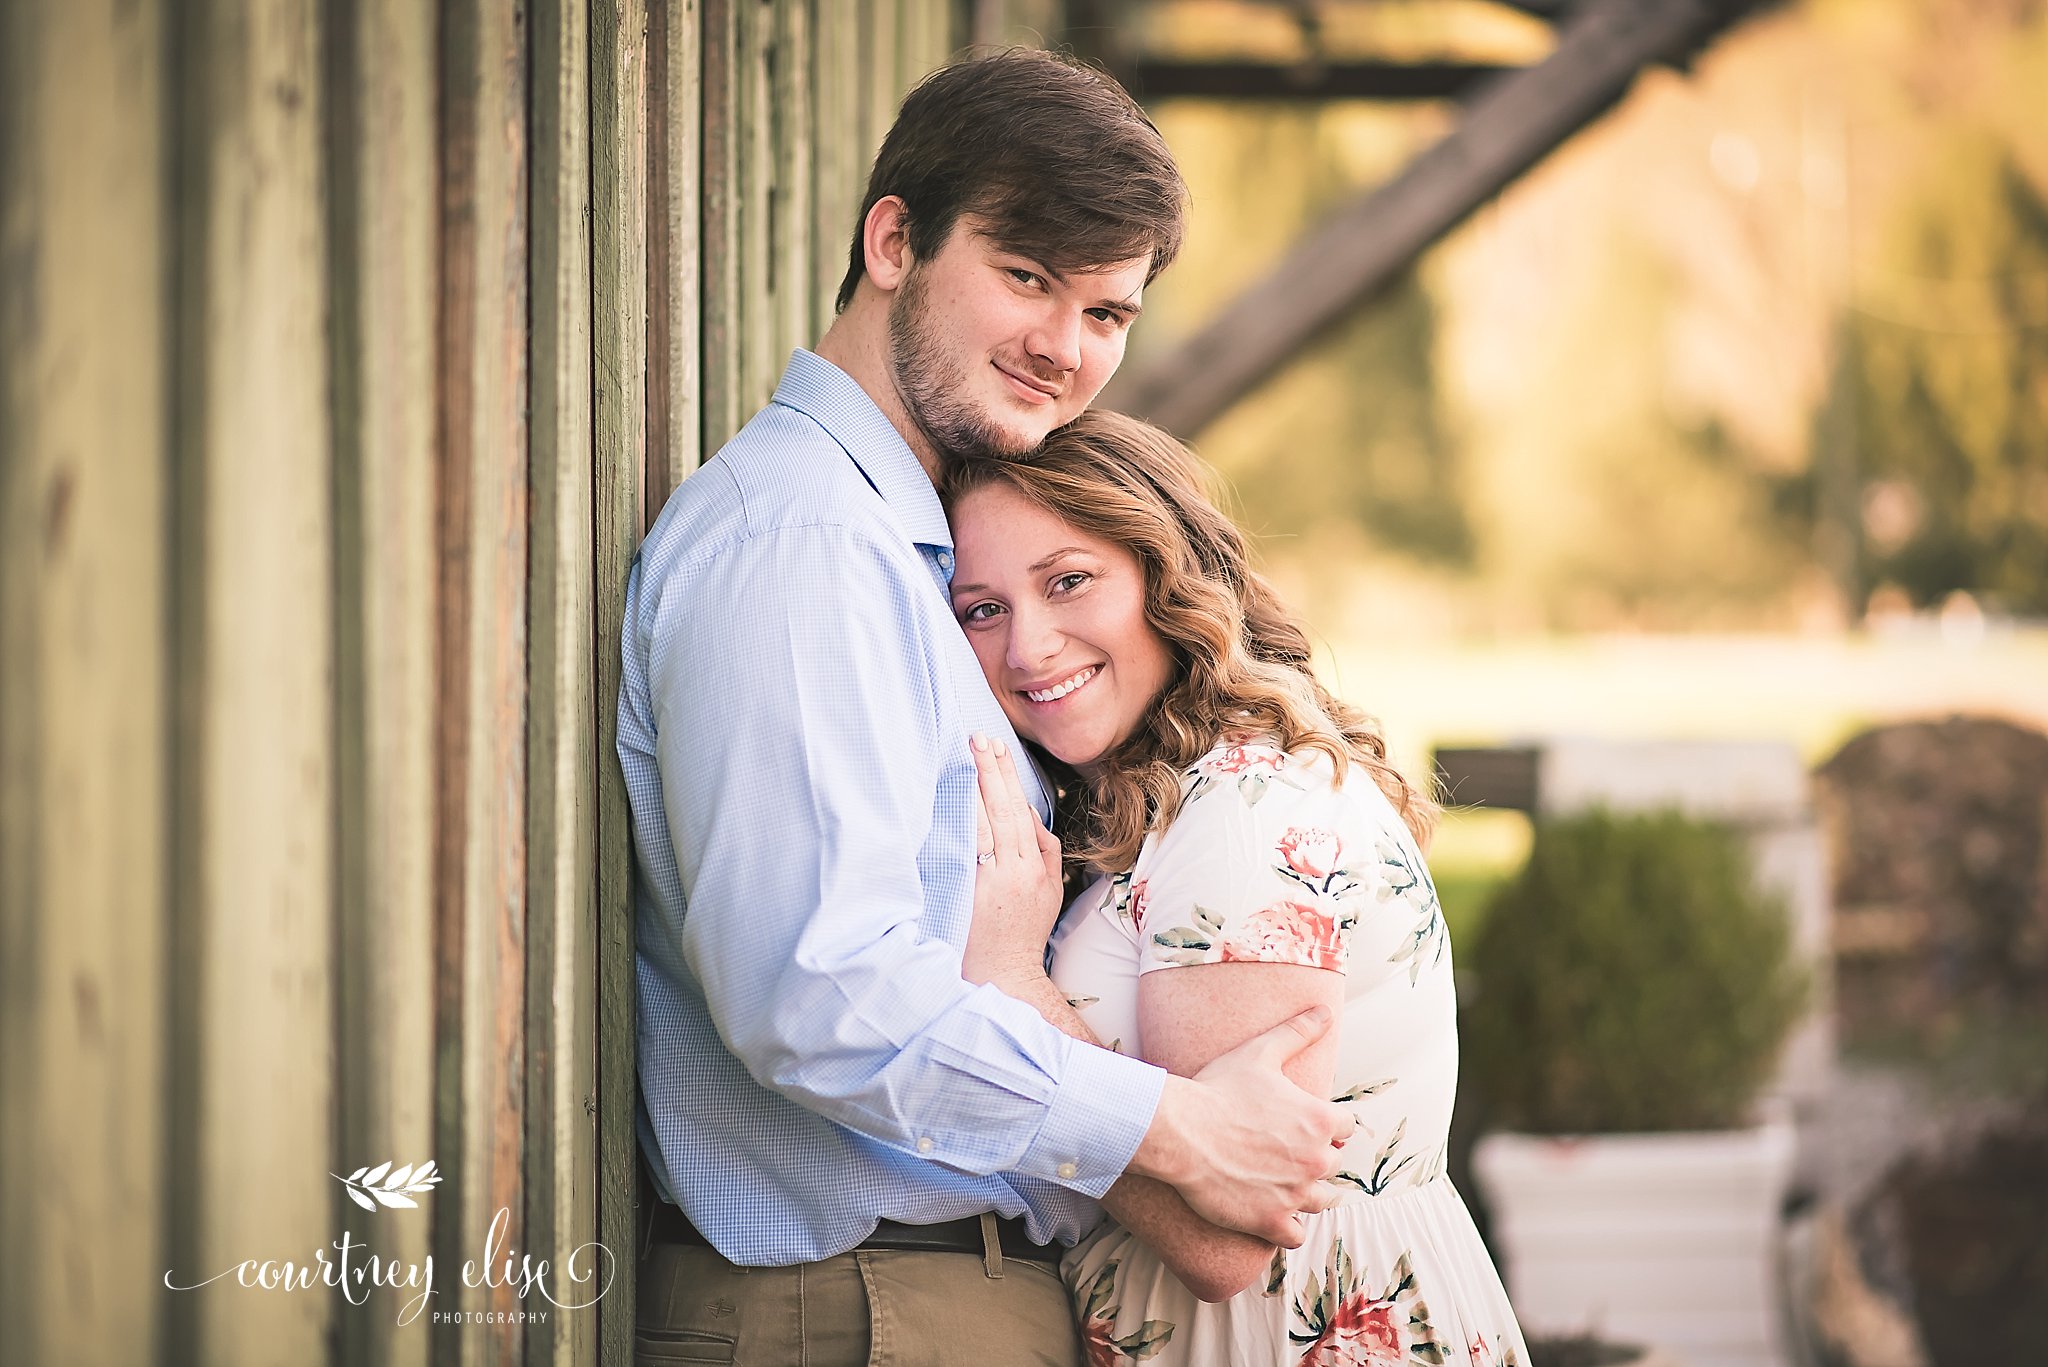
(793, 722)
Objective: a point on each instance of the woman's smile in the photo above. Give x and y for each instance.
(1066, 687)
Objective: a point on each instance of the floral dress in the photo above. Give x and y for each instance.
(1271, 861)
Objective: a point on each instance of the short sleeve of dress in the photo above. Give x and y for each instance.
(1252, 870)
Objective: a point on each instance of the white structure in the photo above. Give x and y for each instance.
(1667, 1239)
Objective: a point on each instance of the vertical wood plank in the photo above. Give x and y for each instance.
(620, 137)
(839, 161)
(755, 132)
(722, 193)
(881, 88)
(675, 111)
(561, 992)
(83, 725)
(255, 955)
(381, 101)
(791, 104)
(480, 674)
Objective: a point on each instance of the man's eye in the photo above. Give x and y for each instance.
(1022, 276)
(1112, 317)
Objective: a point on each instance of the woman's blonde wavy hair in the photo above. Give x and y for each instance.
(1242, 663)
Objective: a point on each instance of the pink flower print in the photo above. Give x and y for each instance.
(1096, 1342)
(1138, 905)
(1287, 933)
(1362, 1333)
(1239, 759)
(1311, 851)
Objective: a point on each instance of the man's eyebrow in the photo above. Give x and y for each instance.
(1129, 308)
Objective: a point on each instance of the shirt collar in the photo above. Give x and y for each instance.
(831, 398)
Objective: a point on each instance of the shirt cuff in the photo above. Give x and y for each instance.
(1099, 1116)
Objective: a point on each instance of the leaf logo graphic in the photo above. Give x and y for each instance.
(380, 1186)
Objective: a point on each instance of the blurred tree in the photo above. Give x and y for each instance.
(1938, 423)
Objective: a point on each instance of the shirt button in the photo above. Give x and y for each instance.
(1067, 1171)
(924, 1145)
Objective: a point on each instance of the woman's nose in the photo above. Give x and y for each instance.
(1033, 639)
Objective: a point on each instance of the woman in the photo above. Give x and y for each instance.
(1253, 854)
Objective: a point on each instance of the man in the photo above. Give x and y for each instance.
(839, 1116)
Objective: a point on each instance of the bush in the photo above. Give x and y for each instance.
(1632, 978)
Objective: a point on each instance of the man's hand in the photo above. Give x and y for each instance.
(1245, 1147)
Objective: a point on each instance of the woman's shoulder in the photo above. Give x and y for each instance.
(1258, 767)
(1253, 783)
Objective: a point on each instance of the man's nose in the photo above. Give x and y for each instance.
(1057, 339)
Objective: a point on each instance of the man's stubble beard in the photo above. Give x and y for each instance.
(934, 395)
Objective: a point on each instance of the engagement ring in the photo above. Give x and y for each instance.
(985, 856)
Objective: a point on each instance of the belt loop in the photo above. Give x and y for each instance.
(991, 1246)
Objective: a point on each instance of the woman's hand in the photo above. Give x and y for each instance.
(1017, 879)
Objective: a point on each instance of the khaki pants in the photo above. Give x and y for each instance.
(868, 1308)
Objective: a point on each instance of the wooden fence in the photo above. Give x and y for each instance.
(346, 349)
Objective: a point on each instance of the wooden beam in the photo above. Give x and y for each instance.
(675, 178)
(381, 229)
(1365, 243)
(84, 663)
(1152, 79)
(622, 141)
(560, 1188)
(253, 956)
(480, 659)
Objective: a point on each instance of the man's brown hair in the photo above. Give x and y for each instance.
(1054, 156)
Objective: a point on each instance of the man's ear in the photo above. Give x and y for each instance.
(885, 241)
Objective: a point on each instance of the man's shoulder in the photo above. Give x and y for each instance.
(781, 472)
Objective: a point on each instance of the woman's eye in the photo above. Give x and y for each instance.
(980, 612)
(1068, 582)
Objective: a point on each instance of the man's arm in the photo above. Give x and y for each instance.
(1237, 1146)
(796, 718)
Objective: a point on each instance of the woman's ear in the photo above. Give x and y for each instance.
(885, 242)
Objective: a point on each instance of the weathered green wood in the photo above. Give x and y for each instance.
(480, 690)
(754, 118)
(794, 138)
(620, 139)
(838, 161)
(253, 966)
(883, 89)
(381, 218)
(723, 390)
(83, 724)
(561, 976)
(675, 421)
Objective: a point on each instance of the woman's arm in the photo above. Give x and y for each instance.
(1186, 1017)
(1189, 1016)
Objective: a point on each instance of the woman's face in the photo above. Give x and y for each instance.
(1057, 618)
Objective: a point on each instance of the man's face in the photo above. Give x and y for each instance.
(991, 351)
